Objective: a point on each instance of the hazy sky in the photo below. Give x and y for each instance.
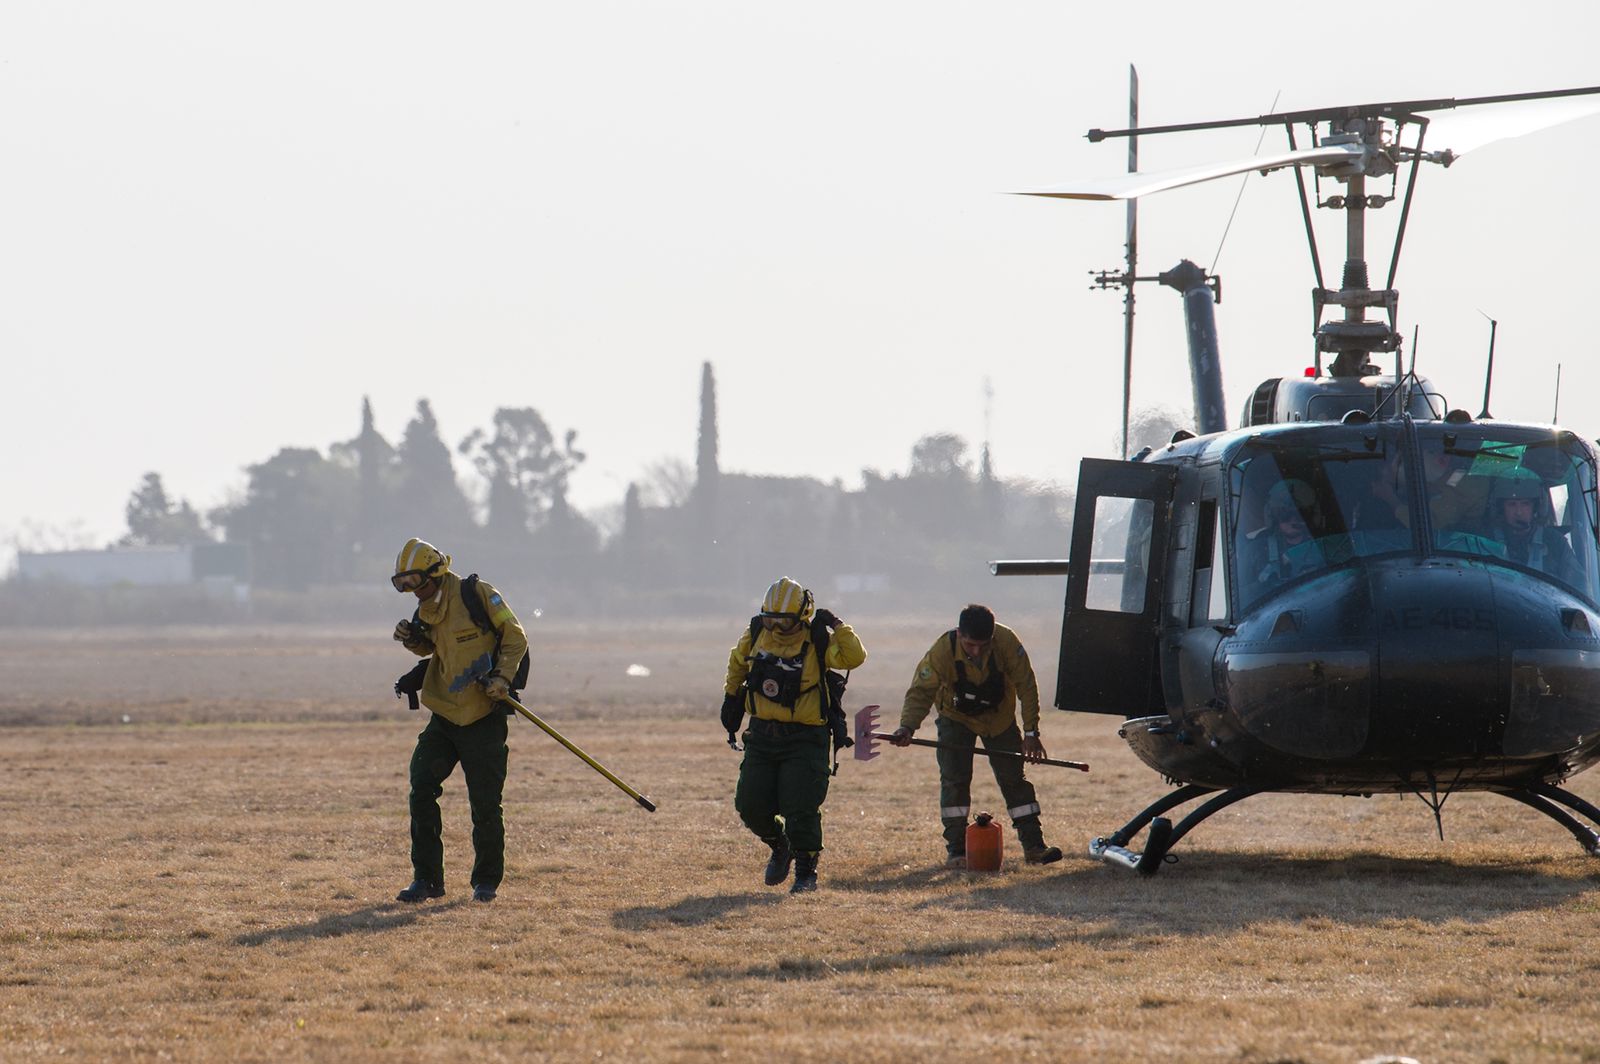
(222, 224)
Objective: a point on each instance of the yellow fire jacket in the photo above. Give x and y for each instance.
(935, 682)
(463, 653)
(844, 652)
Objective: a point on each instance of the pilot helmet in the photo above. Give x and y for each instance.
(1519, 483)
(1288, 498)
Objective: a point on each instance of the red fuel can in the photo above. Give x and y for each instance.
(984, 844)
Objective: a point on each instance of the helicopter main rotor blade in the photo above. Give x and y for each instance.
(1132, 186)
(1464, 131)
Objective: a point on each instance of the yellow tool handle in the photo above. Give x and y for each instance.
(591, 762)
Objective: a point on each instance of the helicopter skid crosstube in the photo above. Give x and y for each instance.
(1163, 835)
(1545, 798)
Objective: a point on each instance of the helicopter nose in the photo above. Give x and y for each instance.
(1482, 661)
(1439, 687)
(1416, 664)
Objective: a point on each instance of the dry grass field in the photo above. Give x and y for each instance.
(203, 830)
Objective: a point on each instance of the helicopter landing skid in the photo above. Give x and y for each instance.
(1544, 796)
(1113, 849)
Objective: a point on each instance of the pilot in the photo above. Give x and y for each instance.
(1382, 507)
(1519, 517)
(1286, 545)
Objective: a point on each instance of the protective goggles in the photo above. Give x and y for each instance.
(785, 622)
(411, 579)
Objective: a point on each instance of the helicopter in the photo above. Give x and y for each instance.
(1360, 589)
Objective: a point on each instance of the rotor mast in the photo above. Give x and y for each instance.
(1361, 142)
(1353, 338)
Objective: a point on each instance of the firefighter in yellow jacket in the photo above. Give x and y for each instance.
(974, 674)
(776, 675)
(469, 669)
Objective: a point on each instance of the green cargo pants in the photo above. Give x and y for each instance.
(955, 784)
(480, 747)
(784, 774)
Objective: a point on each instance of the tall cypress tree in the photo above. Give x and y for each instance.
(707, 474)
(429, 492)
(372, 452)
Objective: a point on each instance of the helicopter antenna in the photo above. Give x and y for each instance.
(1555, 415)
(1488, 374)
(1240, 197)
(1133, 256)
(1411, 374)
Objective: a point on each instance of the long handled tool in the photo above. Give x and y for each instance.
(867, 743)
(591, 762)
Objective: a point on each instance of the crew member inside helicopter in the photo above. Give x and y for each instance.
(1453, 498)
(1518, 516)
(1291, 542)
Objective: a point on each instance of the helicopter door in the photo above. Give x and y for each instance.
(1109, 637)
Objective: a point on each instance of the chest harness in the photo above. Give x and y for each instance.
(976, 699)
(779, 679)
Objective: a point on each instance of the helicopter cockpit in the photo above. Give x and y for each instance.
(1317, 498)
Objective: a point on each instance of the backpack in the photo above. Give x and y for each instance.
(411, 682)
(833, 685)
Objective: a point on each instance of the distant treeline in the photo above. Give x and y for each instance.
(684, 539)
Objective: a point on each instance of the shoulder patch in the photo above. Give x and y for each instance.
(925, 673)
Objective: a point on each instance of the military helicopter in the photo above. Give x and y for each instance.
(1359, 590)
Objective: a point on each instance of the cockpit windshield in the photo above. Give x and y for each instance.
(1521, 497)
(1303, 507)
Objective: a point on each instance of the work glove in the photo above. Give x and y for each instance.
(901, 736)
(828, 618)
(403, 632)
(732, 713)
(496, 687)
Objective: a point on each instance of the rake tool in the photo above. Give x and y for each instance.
(587, 760)
(866, 747)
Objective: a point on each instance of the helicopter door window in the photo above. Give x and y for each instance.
(1120, 553)
(1218, 607)
(1558, 505)
(1209, 602)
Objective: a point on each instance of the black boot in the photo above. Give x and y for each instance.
(778, 863)
(805, 873)
(1031, 835)
(420, 890)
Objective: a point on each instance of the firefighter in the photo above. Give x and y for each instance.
(974, 674)
(778, 677)
(471, 668)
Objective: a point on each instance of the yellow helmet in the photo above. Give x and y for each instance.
(785, 598)
(418, 562)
